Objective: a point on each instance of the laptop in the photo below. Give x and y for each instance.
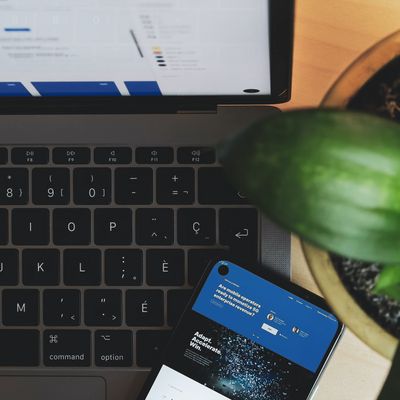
(112, 200)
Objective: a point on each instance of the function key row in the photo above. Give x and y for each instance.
(108, 155)
(122, 267)
(132, 186)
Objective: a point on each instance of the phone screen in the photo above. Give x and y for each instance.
(244, 337)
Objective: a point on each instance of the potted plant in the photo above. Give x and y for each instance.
(333, 178)
(321, 174)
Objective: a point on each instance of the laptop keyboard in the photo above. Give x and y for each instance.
(100, 249)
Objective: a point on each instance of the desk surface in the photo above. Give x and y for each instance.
(330, 35)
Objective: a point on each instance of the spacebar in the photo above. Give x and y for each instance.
(19, 348)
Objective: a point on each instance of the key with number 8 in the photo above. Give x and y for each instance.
(14, 186)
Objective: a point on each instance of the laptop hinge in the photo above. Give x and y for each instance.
(198, 108)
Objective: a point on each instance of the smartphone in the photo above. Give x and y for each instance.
(246, 335)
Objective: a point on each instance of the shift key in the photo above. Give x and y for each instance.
(19, 348)
(66, 348)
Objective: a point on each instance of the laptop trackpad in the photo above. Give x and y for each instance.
(52, 387)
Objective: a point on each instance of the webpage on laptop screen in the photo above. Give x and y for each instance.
(245, 338)
(134, 47)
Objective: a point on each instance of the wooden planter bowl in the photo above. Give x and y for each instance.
(328, 280)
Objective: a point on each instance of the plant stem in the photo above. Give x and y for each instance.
(391, 388)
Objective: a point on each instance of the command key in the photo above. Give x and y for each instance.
(66, 348)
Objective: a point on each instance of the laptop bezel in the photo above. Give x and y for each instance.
(281, 48)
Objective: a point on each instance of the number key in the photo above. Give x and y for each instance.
(92, 186)
(50, 186)
(14, 186)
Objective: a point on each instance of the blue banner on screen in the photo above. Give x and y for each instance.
(13, 89)
(267, 314)
(77, 88)
(143, 88)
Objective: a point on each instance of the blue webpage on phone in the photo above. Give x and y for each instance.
(268, 315)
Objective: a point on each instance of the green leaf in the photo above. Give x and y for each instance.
(332, 177)
(389, 282)
(391, 388)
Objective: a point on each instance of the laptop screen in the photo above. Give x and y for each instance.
(134, 48)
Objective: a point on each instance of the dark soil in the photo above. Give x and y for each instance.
(380, 96)
(359, 279)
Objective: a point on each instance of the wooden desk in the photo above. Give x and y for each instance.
(330, 35)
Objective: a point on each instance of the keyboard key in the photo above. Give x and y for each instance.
(8, 267)
(71, 226)
(71, 155)
(19, 348)
(198, 261)
(175, 185)
(214, 188)
(3, 226)
(82, 267)
(154, 226)
(123, 267)
(113, 155)
(149, 347)
(30, 155)
(177, 301)
(30, 226)
(3, 155)
(14, 186)
(196, 226)
(196, 155)
(103, 307)
(113, 226)
(61, 307)
(113, 348)
(66, 348)
(133, 185)
(239, 230)
(20, 307)
(165, 267)
(50, 186)
(41, 267)
(154, 155)
(92, 186)
(144, 307)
